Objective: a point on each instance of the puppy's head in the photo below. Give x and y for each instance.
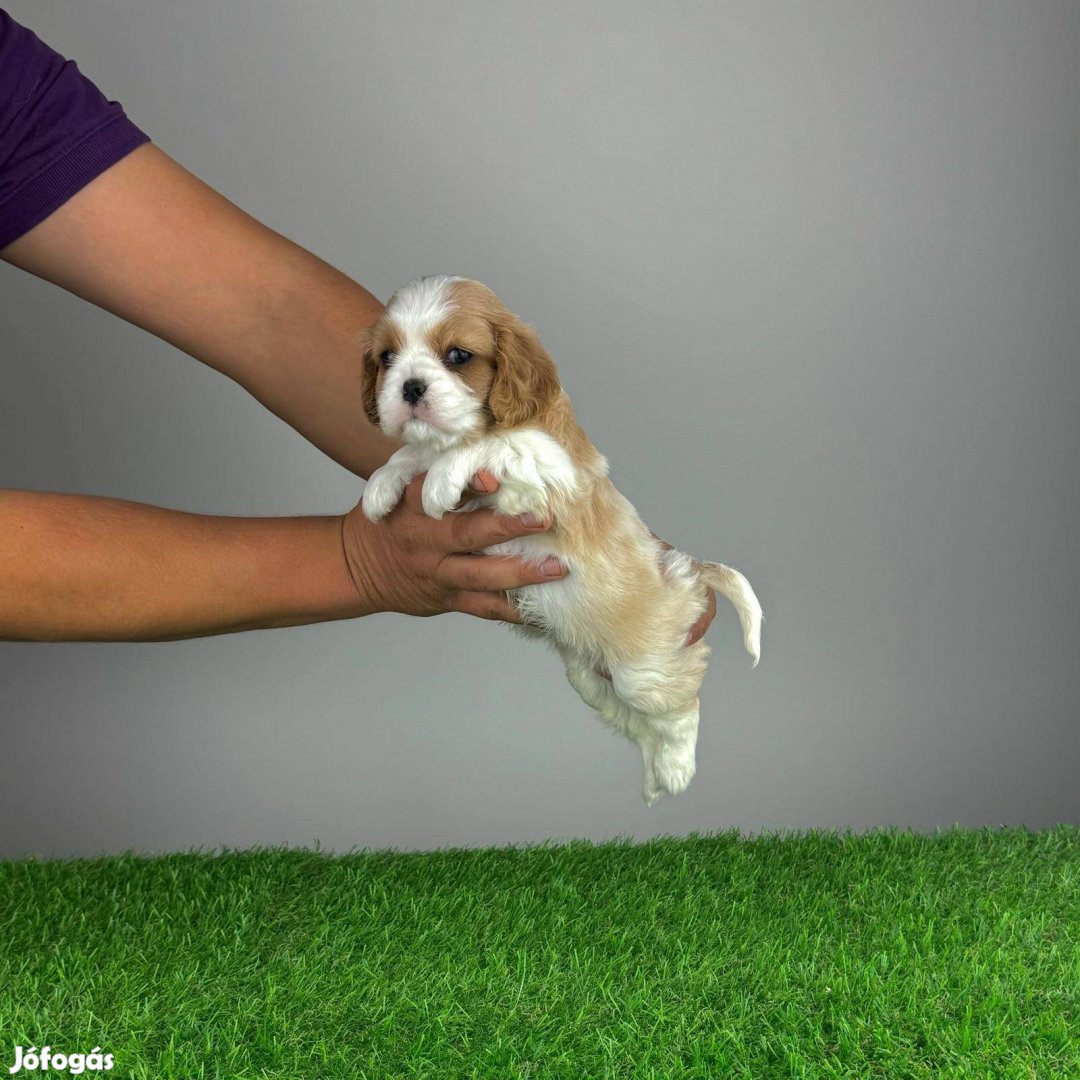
(447, 361)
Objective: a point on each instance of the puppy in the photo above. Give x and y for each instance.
(466, 385)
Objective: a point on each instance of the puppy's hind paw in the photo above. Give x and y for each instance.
(674, 767)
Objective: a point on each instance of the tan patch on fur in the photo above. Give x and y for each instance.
(464, 329)
(381, 336)
(599, 532)
(526, 382)
(599, 529)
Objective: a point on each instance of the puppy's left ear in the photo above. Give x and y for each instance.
(369, 373)
(526, 381)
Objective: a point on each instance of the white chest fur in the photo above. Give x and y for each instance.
(530, 465)
(532, 470)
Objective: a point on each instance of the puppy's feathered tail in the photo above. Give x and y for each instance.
(730, 583)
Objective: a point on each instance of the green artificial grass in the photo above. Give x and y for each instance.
(889, 954)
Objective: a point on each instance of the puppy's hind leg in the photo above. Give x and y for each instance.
(675, 757)
(598, 693)
(662, 692)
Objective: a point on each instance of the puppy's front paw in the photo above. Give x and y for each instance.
(380, 497)
(442, 492)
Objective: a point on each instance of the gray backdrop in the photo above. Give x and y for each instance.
(811, 274)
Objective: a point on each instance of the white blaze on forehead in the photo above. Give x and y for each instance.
(448, 410)
(422, 304)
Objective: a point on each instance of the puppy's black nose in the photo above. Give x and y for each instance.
(413, 390)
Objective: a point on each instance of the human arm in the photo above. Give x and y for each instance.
(150, 242)
(82, 568)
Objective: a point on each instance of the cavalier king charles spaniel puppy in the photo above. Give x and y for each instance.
(466, 385)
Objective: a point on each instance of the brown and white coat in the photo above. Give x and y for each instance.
(467, 385)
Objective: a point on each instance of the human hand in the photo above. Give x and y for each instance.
(697, 631)
(411, 563)
(484, 483)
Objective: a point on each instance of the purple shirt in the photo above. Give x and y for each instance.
(57, 130)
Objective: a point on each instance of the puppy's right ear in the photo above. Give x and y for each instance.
(369, 375)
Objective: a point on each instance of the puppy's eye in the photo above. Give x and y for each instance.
(457, 356)
(387, 358)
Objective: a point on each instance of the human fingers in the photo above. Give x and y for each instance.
(697, 631)
(478, 529)
(483, 483)
(494, 573)
(484, 605)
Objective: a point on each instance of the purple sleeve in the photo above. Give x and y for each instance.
(57, 130)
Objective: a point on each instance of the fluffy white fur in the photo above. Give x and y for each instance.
(652, 693)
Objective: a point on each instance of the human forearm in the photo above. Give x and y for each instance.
(80, 568)
(152, 243)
